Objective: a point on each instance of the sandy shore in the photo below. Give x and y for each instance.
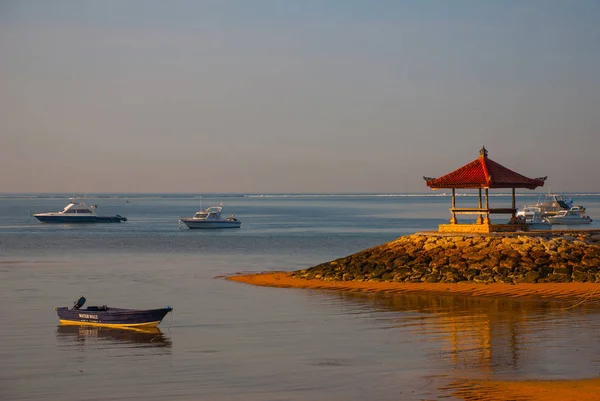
(571, 291)
(471, 390)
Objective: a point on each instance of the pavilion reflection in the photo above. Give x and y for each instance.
(481, 333)
(140, 337)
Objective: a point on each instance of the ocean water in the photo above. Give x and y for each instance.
(231, 341)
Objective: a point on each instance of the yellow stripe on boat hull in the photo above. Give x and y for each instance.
(135, 325)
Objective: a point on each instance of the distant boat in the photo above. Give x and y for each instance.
(109, 316)
(574, 216)
(211, 218)
(77, 211)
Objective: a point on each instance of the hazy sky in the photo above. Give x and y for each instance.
(294, 96)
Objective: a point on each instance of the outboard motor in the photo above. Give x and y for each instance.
(79, 303)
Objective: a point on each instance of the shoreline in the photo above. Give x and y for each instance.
(575, 292)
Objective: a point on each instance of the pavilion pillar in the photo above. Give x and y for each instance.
(453, 218)
(479, 217)
(487, 207)
(514, 204)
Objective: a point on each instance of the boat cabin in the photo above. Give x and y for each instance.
(212, 213)
(573, 212)
(531, 214)
(75, 207)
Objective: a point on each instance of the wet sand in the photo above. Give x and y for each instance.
(470, 390)
(542, 390)
(575, 292)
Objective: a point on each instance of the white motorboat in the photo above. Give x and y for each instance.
(552, 204)
(211, 218)
(574, 216)
(534, 218)
(77, 211)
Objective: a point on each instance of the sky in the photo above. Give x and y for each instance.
(305, 96)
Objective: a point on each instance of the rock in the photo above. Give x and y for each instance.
(482, 259)
(583, 277)
(542, 261)
(511, 240)
(429, 246)
(483, 279)
(476, 256)
(509, 263)
(559, 278)
(431, 278)
(464, 243)
(502, 271)
(590, 262)
(531, 277)
(563, 270)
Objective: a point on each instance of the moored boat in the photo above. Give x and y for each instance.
(109, 316)
(551, 205)
(211, 218)
(574, 216)
(533, 218)
(77, 211)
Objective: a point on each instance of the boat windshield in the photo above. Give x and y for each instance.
(201, 215)
(78, 208)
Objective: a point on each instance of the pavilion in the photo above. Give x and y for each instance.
(483, 173)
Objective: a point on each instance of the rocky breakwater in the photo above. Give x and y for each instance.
(436, 258)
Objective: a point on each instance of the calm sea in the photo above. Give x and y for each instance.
(230, 341)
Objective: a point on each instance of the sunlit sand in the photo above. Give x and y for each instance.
(575, 292)
(542, 390)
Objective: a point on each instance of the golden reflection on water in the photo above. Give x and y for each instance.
(485, 335)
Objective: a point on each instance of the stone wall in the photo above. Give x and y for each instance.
(437, 258)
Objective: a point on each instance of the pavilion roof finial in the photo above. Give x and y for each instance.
(483, 152)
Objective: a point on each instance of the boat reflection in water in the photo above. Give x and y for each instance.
(151, 337)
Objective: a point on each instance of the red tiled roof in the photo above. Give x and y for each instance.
(484, 173)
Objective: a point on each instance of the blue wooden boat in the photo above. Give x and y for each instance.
(110, 317)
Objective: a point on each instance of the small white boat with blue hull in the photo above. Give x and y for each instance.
(210, 218)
